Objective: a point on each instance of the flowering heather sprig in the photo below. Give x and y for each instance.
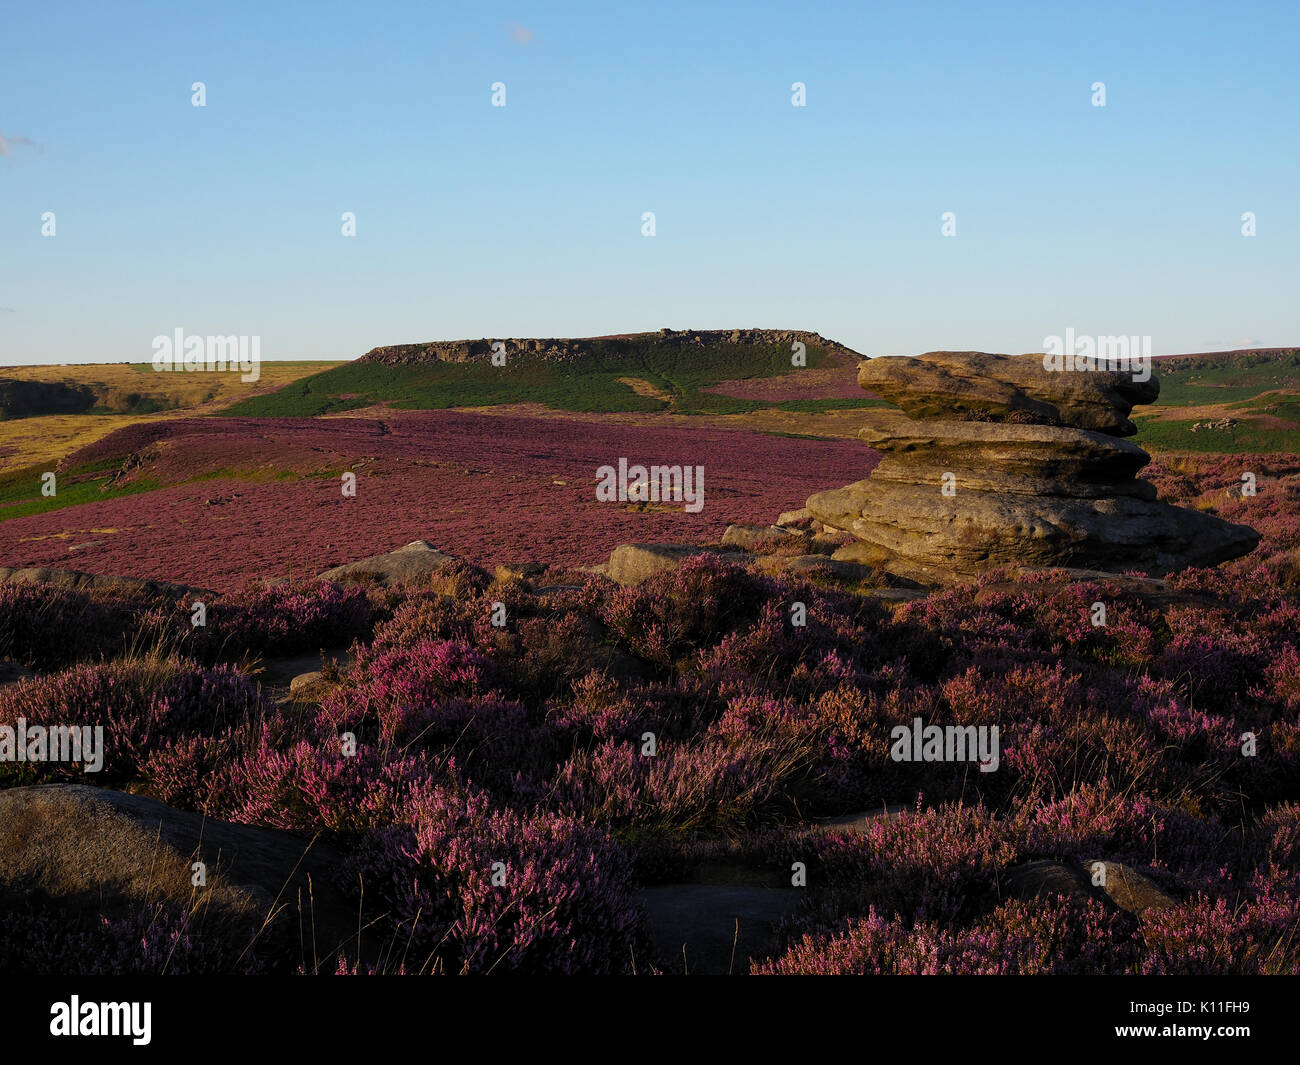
(677, 611)
(562, 901)
(142, 704)
(315, 787)
(276, 619)
(1205, 936)
(47, 628)
(440, 697)
(1052, 935)
(938, 863)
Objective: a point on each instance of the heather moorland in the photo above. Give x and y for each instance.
(521, 765)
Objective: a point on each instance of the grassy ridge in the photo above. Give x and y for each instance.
(590, 385)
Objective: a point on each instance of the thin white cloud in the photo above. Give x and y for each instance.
(8, 144)
(521, 34)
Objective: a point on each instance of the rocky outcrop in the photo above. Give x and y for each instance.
(1003, 463)
(579, 349)
(982, 386)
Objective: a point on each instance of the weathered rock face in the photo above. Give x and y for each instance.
(1017, 388)
(1006, 464)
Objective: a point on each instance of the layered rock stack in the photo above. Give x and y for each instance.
(996, 461)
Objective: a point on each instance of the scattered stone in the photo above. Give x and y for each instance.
(413, 564)
(305, 680)
(815, 566)
(826, 543)
(310, 687)
(1032, 880)
(1130, 890)
(519, 571)
(862, 553)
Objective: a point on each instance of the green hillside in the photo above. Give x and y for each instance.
(1232, 402)
(590, 384)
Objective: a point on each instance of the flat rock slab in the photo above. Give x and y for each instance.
(937, 539)
(88, 851)
(980, 384)
(413, 564)
(714, 929)
(1044, 450)
(281, 671)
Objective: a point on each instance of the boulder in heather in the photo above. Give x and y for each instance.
(633, 563)
(413, 564)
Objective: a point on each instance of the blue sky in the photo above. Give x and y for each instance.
(480, 221)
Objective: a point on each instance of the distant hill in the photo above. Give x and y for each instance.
(616, 349)
(667, 370)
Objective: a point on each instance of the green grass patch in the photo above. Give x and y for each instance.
(89, 490)
(1177, 435)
